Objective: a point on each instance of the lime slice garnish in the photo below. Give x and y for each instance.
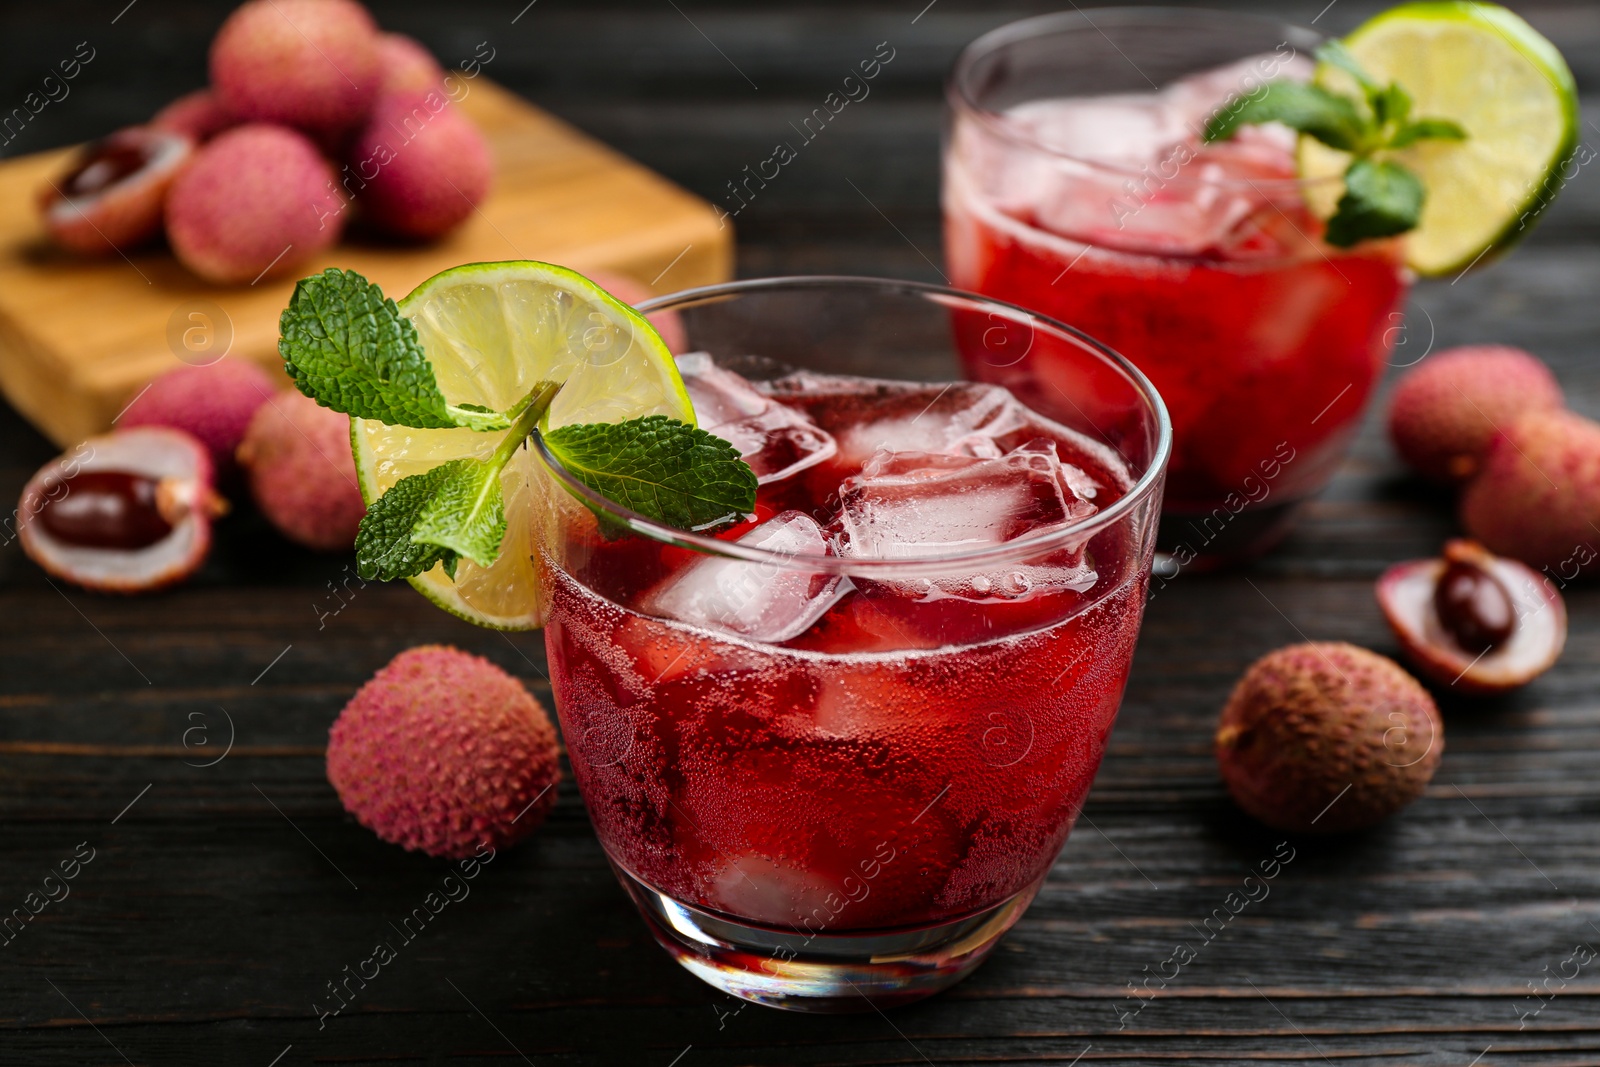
(492, 332)
(1488, 70)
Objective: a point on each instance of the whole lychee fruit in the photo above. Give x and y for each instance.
(311, 64)
(1327, 737)
(442, 752)
(110, 198)
(214, 403)
(406, 66)
(1444, 414)
(125, 512)
(423, 164)
(257, 201)
(1538, 496)
(199, 116)
(302, 474)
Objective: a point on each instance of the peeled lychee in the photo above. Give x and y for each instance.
(199, 116)
(110, 199)
(311, 64)
(406, 66)
(1538, 496)
(213, 402)
(257, 201)
(1444, 415)
(1472, 621)
(423, 166)
(443, 752)
(302, 474)
(1327, 737)
(122, 513)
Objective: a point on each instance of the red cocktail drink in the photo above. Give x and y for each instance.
(860, 724)
(1203, 264)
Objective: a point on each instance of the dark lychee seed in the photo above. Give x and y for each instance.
(104, 164)
(104, 509)
(1473, 606)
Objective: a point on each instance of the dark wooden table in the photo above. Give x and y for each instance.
(221, 899)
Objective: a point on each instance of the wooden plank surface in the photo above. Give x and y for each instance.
(78, 338)
(217, 905)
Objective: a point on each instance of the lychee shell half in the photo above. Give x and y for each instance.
(442, 752)
(302, 473)
(214, 402)
(257, 201)
(425, 165)
(126, 213)
(311, 64)
(1406, 595)
(1538, 497)
(1444, 415)
(1326, 738)
(155, 452)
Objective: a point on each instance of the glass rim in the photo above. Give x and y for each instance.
(1020, 549)
(961, 101)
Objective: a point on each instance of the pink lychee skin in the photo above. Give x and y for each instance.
(426, 166)
(443, 752)
(257, 201)
(406, 66)
(1444, 414)
(198, 115)
(125, 216)
(214, 403)
(1538, 496)
(302, 474)
(311, 64)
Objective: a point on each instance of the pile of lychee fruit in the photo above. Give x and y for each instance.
(131, 510)
(313, 116)
(1329, 737)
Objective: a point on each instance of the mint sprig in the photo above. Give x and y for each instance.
(349, 348)
(1381, 197)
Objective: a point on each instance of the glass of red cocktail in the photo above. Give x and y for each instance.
(1077, 183)
(833, 752)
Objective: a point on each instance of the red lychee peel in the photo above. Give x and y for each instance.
(257, 201)
(442, 751)
(424, 164)
(1538, 496)
(214, 403)
(1307, 721)
(1445, 414)
(311, 64)
(302, 473)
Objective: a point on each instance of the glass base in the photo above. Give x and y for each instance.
(846, 972)
(1218, 539)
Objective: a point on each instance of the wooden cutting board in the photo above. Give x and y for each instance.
(79, 339)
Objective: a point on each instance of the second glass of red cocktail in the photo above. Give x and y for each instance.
(1077, 182)
(834, 751)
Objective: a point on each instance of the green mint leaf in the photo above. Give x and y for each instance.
(348, 347)
(1391, 105)
(1335, 54)
(672, 472)
(1330, 118)
(1427, 129)
(1380, 199)
(384, 548)
(467, 513)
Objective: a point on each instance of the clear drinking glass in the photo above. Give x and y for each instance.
(1075, 183)
(829, 781)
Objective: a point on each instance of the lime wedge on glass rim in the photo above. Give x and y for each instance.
(1507, 86)
(492, 331)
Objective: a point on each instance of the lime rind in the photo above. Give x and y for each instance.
(1486, 68)
(492, 331)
